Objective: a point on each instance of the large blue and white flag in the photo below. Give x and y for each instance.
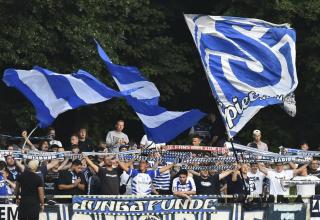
(128, 78)
(160, 125)
(52, 93)
(249, 63)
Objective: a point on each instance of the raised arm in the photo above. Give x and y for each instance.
(299, 170)
(52, 164)
(195, 173)
(24, 134)
(20, 165)
(164, 169)
(263, 169)
(224, 174)
(64, 164)
(91, 164)
(155, 166)
(124, 166)
(292, 165)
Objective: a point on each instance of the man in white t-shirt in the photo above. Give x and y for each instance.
(255, 180)
(146, 144)
(276, 176)
(306, 189)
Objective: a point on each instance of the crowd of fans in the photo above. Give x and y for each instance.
(107, 175)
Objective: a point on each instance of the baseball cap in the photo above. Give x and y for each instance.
(256, 132)
(55, 142)
(124, 146)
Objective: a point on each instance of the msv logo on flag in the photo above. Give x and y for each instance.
(249, 63)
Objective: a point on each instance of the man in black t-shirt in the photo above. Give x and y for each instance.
(50, 175)
(109, 176)
(209, 185)
(235, 182)
(30, 186)
(12, 167)
(85, 144)
(72, 182)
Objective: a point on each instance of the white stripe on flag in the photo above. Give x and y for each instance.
(147, 90)
(83, 91)
(38, 83)
(155, 121)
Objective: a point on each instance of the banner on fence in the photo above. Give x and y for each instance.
(170, 207)
(224, 211)
(143, 205)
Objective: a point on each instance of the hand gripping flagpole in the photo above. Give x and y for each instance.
(229, 138)
(221, 113)
(25, 142)
(241, 174)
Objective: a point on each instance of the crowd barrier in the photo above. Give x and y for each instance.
(167, 208)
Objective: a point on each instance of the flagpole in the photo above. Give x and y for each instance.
(228, 136)
(25, 142)
(241, 174)
(226, 126)
(231, 141)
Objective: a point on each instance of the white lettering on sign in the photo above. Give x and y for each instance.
(8, 212)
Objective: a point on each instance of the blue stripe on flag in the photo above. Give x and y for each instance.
(10, 77)
(161, 125)
(52, 94)
(95, 84)
(128, 77)
(61, 87)
(250, 64)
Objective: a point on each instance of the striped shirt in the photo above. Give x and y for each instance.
(141, 182)
(188, 186)
(162, 181)
(3, 186)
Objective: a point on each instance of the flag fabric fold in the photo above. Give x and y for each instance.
(52, 93)
(128, 77)
(249, 63)
(161, 125)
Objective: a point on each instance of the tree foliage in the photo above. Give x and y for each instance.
(153, 36)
